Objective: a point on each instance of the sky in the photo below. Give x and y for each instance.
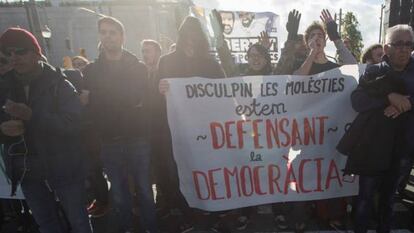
(367, 12)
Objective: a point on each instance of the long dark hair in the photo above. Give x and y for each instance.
(191, 29)
(267, 69)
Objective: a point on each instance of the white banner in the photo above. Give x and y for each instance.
(261, 139)
(242, 29)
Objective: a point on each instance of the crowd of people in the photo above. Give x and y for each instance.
(65, 132)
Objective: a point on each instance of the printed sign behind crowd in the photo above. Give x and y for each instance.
(261, 139)
(241, 29)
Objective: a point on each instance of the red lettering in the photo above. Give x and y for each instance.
(309, 131)
(295, 133)
(290, 178)
(241, 132)
(227, 175)
(272, 131)
(318, 174)
(196, 174)
(273, 180)
(283, 131)
(214, 136)
(333, 174)
(243, 181)
(301, 173)
(256, 176)
(213, 184)
(228, 134)
(321, 128)
(256, 134)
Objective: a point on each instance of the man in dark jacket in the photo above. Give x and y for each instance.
(40, 130)
(395, 102)
(190, 59)
(117, 82)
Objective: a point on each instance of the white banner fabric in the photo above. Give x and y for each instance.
(255, 140)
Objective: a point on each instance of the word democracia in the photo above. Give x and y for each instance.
(272, 179)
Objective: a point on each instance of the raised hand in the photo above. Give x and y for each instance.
(292, 24)
(265, 40)
(331, 26)
(218, 27)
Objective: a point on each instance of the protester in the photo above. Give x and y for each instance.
(373, 54)
(191, 58)
(295, 51)
(41, 135)
(12, 208)
(379, 141)
(117, 82)
(151, 53)
(97, 184)
(315, 34)
(331, 210)
(259, 63)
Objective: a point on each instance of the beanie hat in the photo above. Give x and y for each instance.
(19, 38)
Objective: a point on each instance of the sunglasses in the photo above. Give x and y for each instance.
(16, 51)
(4, 61)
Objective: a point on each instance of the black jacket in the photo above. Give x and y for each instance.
(178, 65)
(51, 135)
(118, 97)
(373, 140)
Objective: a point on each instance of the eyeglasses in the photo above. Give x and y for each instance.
(17, 51)
(4, 61)
(402, 44)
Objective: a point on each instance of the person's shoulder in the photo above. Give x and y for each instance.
(73, 73)
(332, 64)
(375, 72)
(131, 59)
(377, 69)
(90, 67)
(411, 64)
(8, 76)
(214, 68)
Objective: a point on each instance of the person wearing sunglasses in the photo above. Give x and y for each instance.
(379, 143)
(42, 109)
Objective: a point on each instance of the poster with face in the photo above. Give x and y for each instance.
(241, 29)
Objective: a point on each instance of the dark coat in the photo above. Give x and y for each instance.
(75, 77)
(177, 65)
(372, 141)
(52, 134)
(118, 97)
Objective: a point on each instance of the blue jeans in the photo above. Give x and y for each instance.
(44, 208)
(130, 158)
